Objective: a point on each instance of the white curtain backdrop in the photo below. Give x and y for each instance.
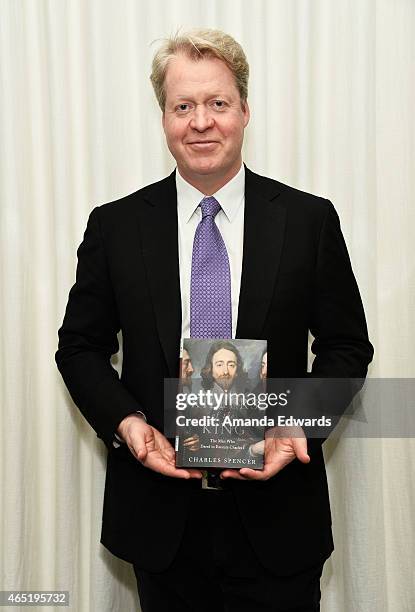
(332, 100)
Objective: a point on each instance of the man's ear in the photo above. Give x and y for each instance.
(163, 120)
(246, 112)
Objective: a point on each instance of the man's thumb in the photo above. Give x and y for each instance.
(141, 453)
(300, 448)
(139, 449)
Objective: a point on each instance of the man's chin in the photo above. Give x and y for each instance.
(224, 385)
(204, 169)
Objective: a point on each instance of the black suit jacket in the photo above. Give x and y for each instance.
(296, 277)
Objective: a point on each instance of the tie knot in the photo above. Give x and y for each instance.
(210, 207)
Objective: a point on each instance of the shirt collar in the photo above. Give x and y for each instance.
(230, 196)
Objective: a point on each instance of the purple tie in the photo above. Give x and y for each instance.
(210, 285)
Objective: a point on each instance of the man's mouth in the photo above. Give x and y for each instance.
(203, 144)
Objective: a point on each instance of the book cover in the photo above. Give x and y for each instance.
(219, 421)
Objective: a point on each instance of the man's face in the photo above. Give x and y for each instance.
(187, 368)
(264, 366)
(203, 119)
(224, 368)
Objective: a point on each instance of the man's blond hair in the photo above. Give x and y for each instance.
(197, 44)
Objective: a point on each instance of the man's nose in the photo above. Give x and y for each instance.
(201, 119)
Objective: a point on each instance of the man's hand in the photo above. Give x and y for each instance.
(152, 448)
(282, 445)
(192, 443)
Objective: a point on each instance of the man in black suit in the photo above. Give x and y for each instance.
(288, 273)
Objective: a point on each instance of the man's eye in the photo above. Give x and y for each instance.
(219, 104)
(183, 107)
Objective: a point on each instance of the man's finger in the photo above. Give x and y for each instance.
(140, 452)
(300, 449)
(232, 474)
(264, 474)
(194, 473)
(138, 448)
(141, 444)
(169, 470)
(162, 466)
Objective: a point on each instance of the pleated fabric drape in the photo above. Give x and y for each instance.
(332, 94)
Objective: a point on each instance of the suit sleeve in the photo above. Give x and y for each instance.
(88, 338)
(341, 345)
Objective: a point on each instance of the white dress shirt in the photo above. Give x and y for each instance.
(230, 222)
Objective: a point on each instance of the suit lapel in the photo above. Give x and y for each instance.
(264, 228)
(159, 239)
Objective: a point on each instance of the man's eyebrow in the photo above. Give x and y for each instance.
(210, 96)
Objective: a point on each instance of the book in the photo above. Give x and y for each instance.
(219, 421)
